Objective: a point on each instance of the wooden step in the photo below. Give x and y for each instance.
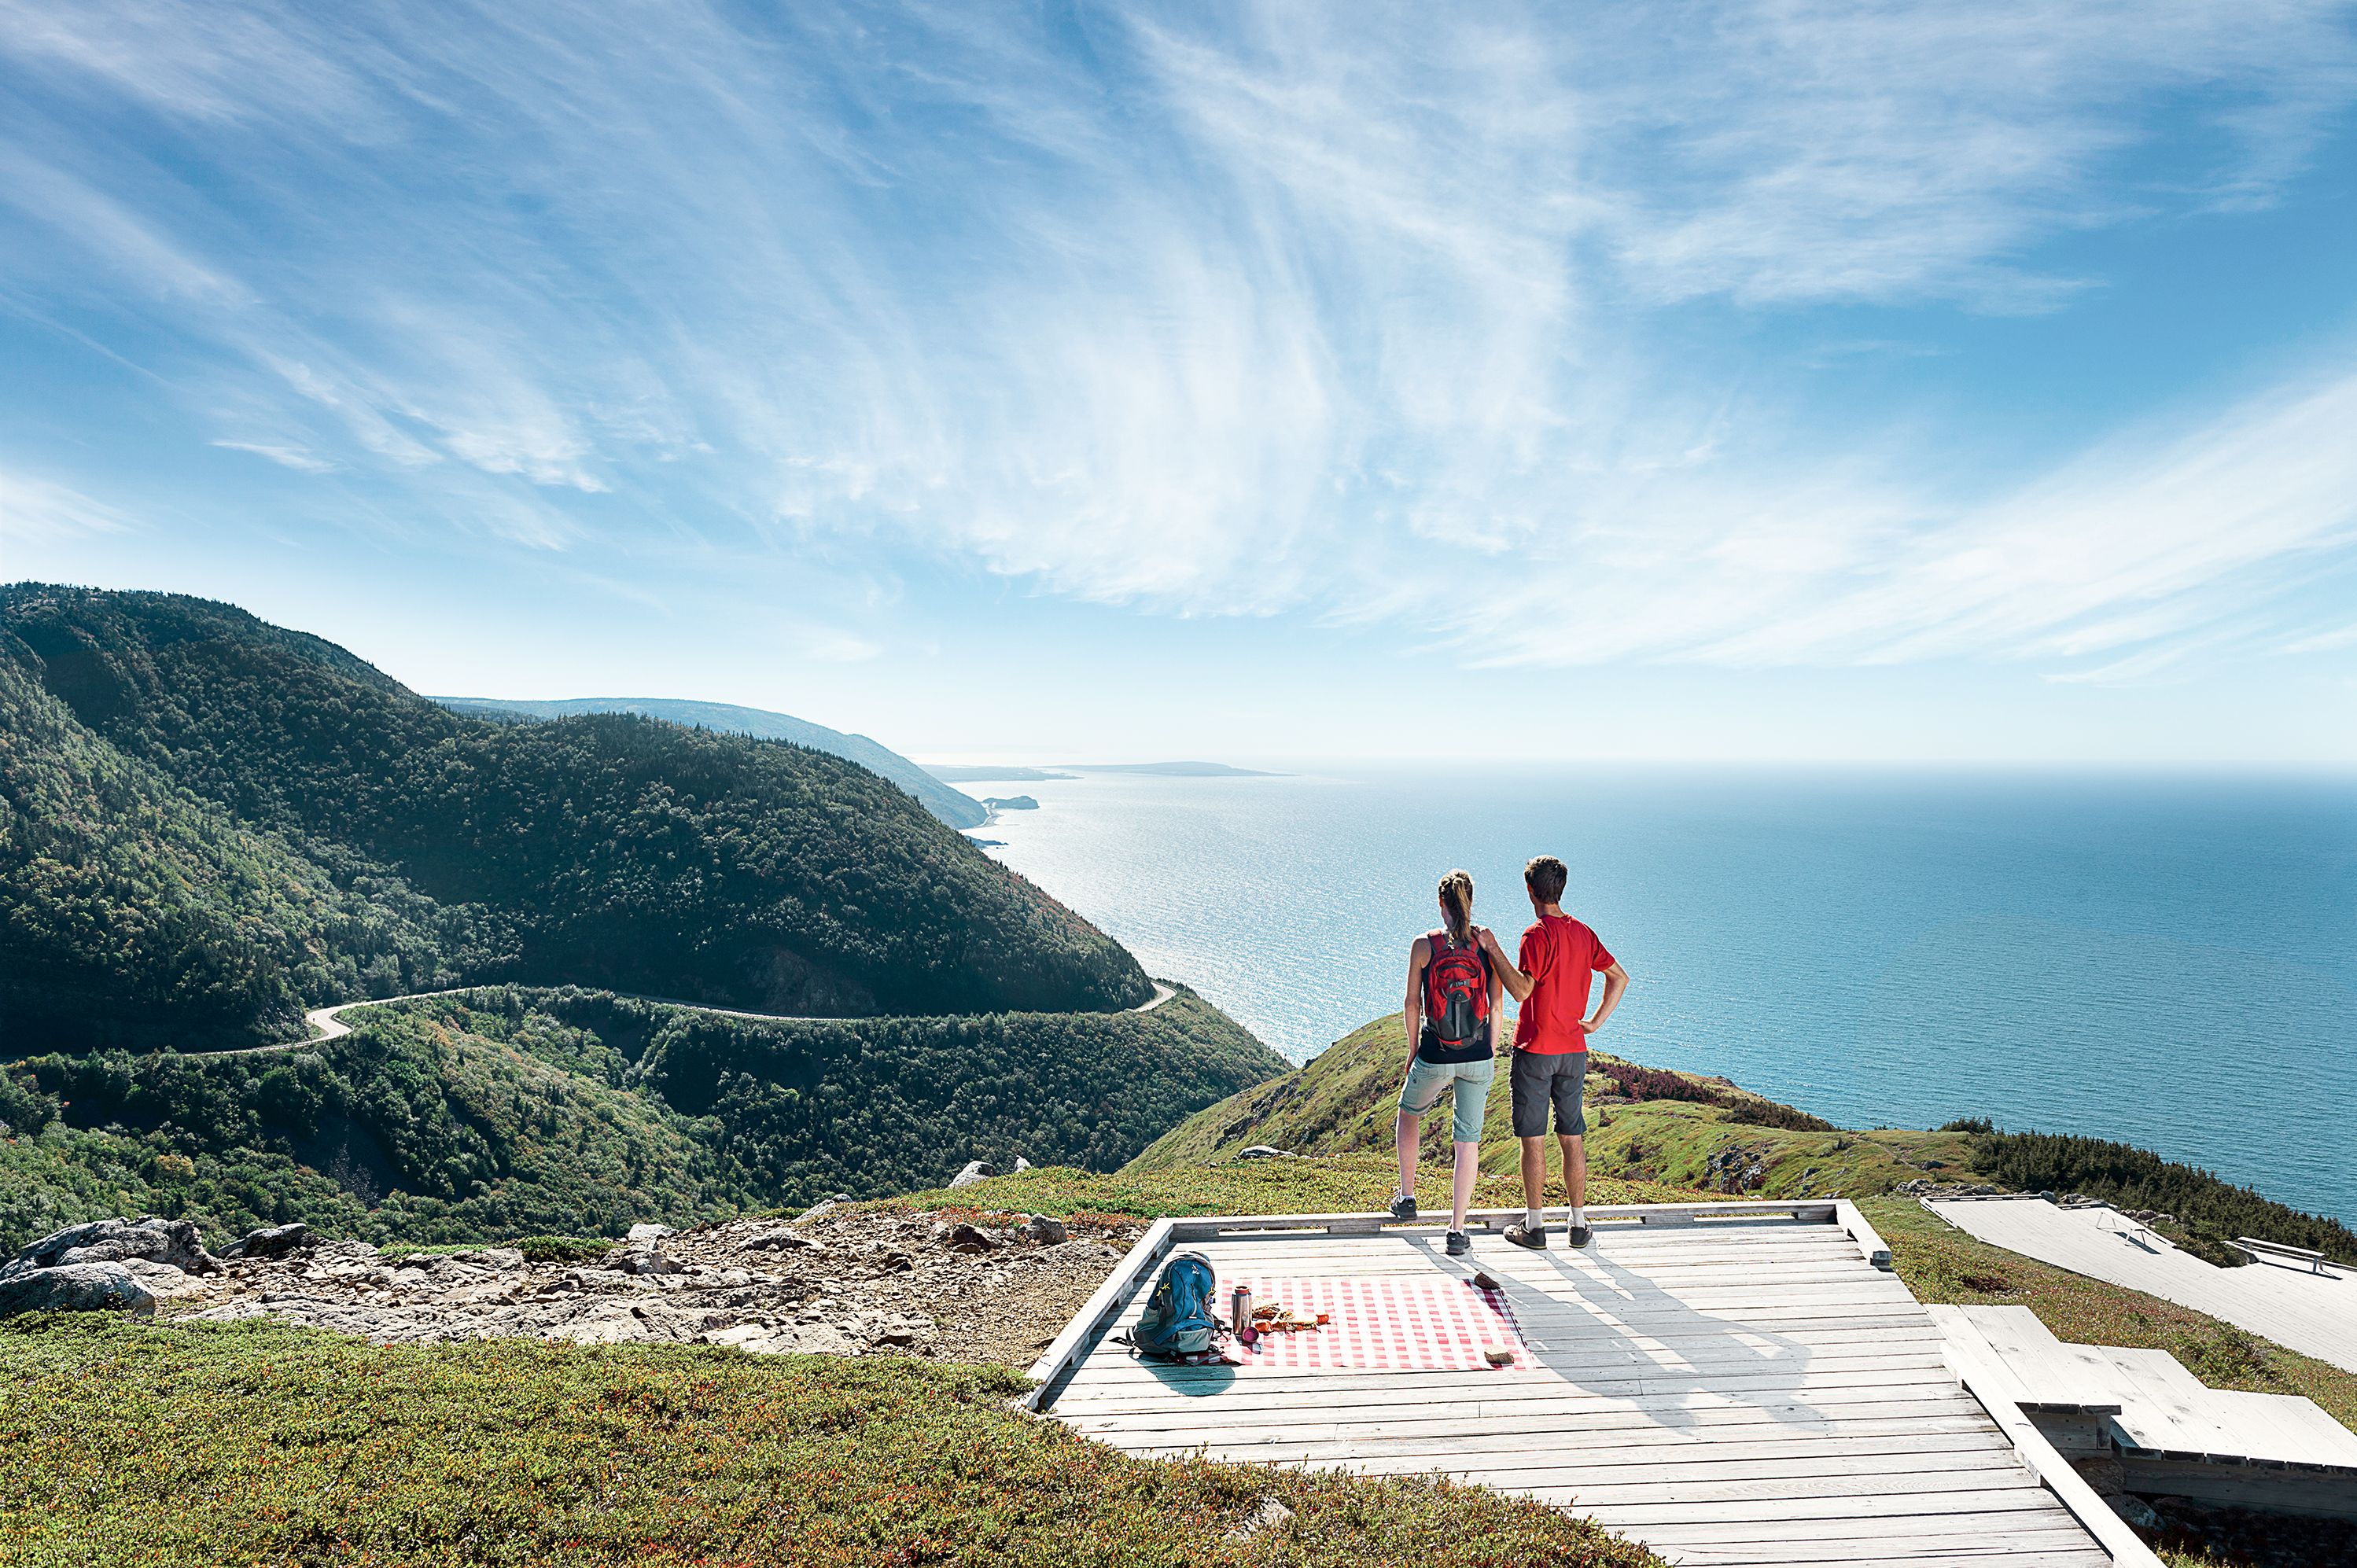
(2287, 1429)
(2052, 1373)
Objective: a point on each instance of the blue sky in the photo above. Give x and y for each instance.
(1791, 381)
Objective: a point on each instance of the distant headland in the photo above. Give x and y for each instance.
(967, 773)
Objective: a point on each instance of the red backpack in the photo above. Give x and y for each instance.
(1456, 989)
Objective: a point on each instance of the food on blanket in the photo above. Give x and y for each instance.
(1499, 1358)
(1275, 1317)
(1483, 1281)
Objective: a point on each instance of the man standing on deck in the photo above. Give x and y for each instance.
(1551, 985)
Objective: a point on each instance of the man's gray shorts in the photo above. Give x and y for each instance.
(1552, 1079)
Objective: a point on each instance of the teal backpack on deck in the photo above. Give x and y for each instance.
(1181, 1317)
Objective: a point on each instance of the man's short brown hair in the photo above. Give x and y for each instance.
(1545, 877)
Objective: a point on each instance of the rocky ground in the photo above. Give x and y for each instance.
(838, 1280)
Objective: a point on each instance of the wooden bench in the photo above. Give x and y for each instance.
(2278, 1249)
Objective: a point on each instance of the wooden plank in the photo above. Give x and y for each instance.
(2020, 1549)
(1748, 1241)
(1601, 1217)
(1854, 1224)
(1656, 1272)
(1693, 1475)
(1119, 1416)
(1617, 1424)
(1973, 1508)
(1702, 1245)
(1624, 1446)
(1876, 1493)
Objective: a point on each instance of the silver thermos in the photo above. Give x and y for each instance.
(1240, 1309)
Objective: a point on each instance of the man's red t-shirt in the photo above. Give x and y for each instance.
(1559, 955)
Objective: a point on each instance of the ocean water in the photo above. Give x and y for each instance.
(2168, 960)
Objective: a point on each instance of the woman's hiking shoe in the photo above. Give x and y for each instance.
(1578, 1235)
(1522, 1235)
(1458, 1243)
(1403, 1207)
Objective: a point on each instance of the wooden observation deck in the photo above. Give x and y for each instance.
(1740, 1382)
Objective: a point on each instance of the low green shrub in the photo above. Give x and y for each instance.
(162, 1444)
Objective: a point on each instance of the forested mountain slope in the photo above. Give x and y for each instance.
(190, 792)
(506, 1112)
(135, 911)
(955, 807)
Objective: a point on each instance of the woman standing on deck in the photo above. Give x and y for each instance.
(1452, 1003)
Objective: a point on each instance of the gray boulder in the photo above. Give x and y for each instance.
(75, 1287)
(156, 1240)
(271, 1241)
(645, 1260)
(1265, 1151)
(645, 1232)
(975, 1171)
(1046, 1230)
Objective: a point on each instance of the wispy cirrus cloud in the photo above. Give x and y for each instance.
(1346, 312)
(295, 458)
(33, 507)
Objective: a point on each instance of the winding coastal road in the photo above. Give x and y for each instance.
(330, 1024)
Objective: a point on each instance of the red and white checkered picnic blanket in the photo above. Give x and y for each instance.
(1397, 1322)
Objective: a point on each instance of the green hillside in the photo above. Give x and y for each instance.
(135, 911)
(266, 819)
(955, 807)
(509, 1113)
(1345, 1099)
